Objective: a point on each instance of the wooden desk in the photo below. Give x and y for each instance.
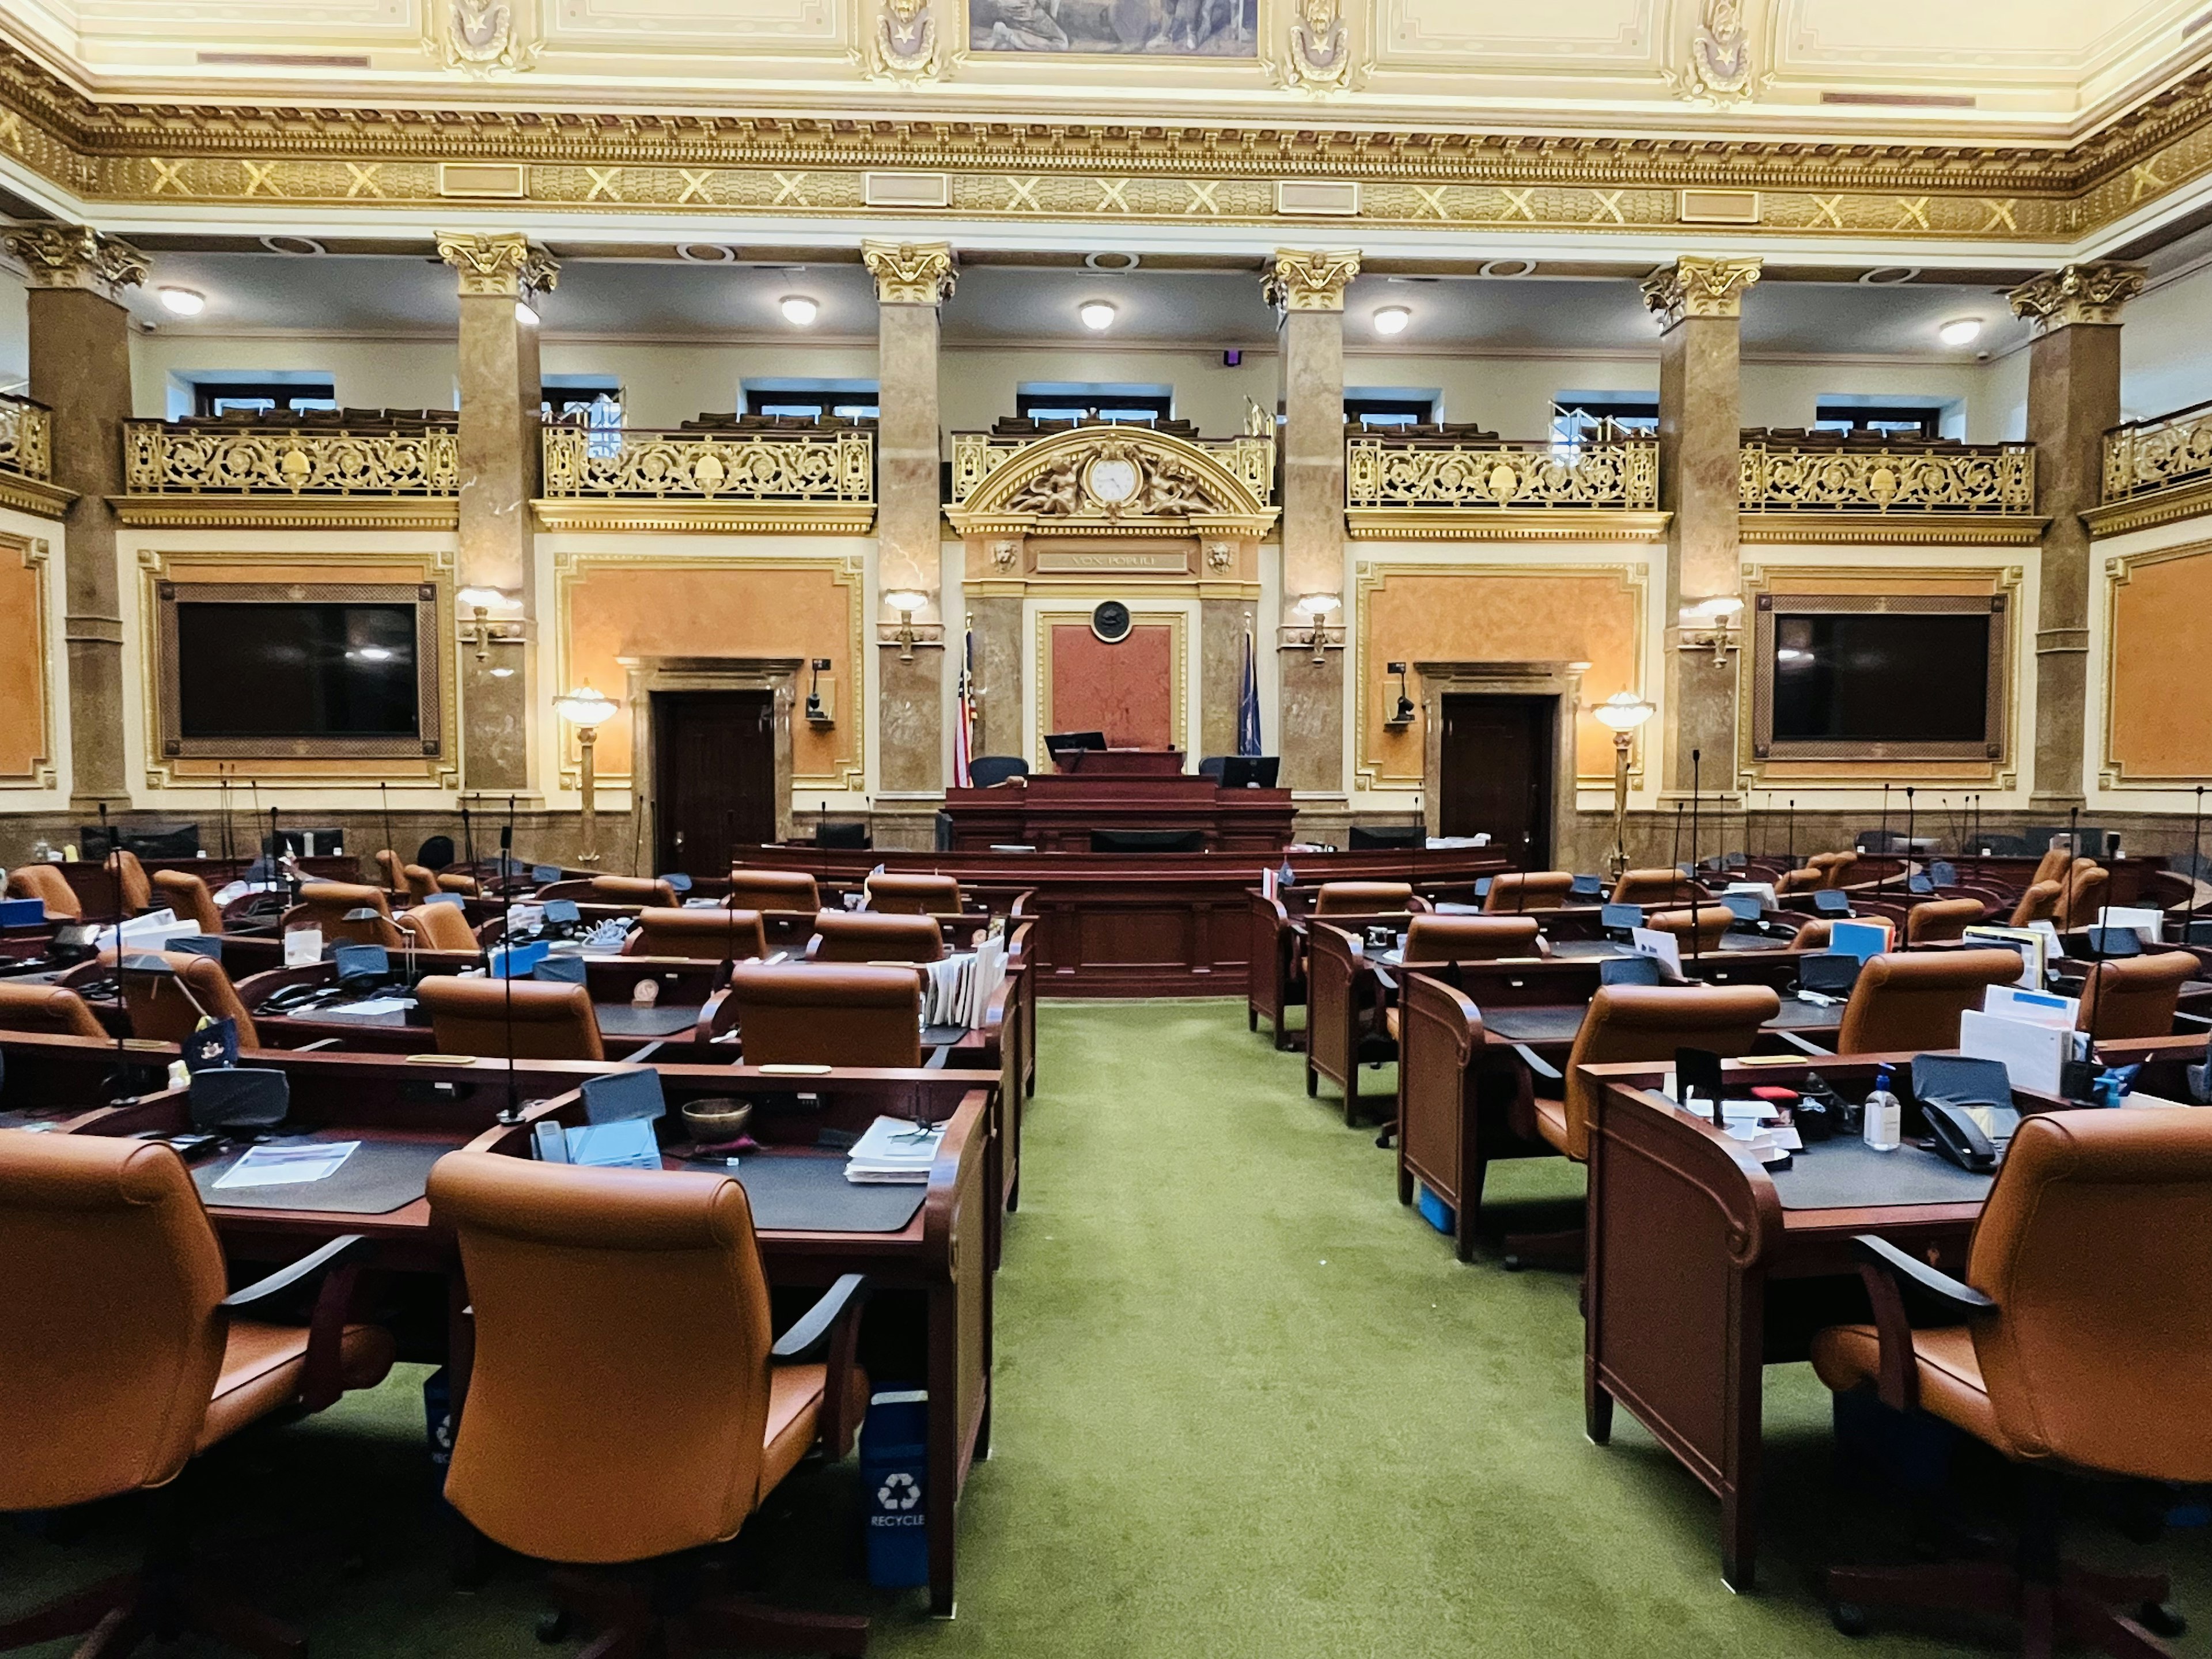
(937, 1265)
(96, 891)
(1094, 763)
(1700, 1273)
(1057, 811)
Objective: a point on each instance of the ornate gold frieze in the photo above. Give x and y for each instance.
(2077, 294)
(1396, 474)
(1977, 478)
(1250, 459)
(164, 459)
(1310, 279)
(910, 273)
(823, 481)
(1111, 480)
(27, 437)
(501, 264)
(76, 256)
(1695, 286)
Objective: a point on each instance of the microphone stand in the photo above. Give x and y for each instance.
(1790, 857)
(1695, 760)
(2196, 865)
(384, 795)
(1678, 838)
(117, 1086)
(468, 841)
(1908, 837)
(507, 937)
(1882, 885)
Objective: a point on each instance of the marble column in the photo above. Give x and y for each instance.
(500, 273)
(1699, 306)
(1307, 288)
(1221, 625)
(80, 349)
(912, 280)
(997, 620)
(2073, 396)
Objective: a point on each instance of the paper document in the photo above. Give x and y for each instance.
(2146, 921)
(368, 1008)
(303, 946)
(2032, 1055)
(894, 1150)
(286, 1166)
(1664, 947)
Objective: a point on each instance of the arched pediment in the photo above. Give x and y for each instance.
(1094, 480)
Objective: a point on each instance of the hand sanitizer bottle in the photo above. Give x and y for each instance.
(1885, 1116)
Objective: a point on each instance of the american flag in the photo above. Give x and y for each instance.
(964, 732)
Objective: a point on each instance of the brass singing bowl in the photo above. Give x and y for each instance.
(714, 1121)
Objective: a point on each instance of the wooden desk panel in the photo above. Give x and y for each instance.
(1057, 813)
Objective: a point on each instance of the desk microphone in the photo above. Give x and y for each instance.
(1696, 788)
(507, 937)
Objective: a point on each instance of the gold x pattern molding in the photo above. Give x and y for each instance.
(1101, 172)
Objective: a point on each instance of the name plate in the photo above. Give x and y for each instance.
(1159, 562)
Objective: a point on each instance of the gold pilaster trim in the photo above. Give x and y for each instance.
(1552, 524)
(700, 518)
(1309, 279)
(1890, 530)
(2119, 572)
(281, 511)
(34, 496)
(2092, 293)
(910, 273)
(2170, 506)
(36, 553)
(1694, 286)
(77, 255)
(501, 264)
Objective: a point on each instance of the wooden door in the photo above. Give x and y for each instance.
(1498, 756)
(714, 785)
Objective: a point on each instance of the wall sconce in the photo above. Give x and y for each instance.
(1402, 714)
(1316, 609)
(1623, 712)
(818, 711)
(905, 635)
(1714, 625)
(587, 710)
(483, 633)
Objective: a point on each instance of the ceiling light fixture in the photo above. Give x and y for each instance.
(299, 247)
(1392, 320)
(1097, 315)
(182, 301)
(1961, 331)
(524, 314)
(800, 311)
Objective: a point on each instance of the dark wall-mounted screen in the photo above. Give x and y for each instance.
(1881, 678)
(296, 670)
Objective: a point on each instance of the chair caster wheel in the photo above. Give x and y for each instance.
(553, 1625)
(2161, 1619)
(1511, 1264)
(1848, 1617)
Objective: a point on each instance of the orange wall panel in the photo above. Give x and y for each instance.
(22, 663)
(1457, 616)
(2159, 726)
(700, 609)
(1126, 691)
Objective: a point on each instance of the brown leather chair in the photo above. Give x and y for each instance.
(2074, 1343)
(1835, 868)
(2054, 864)
(45, 881)
(1633, 1023)
(632, 890)
(1941, 921)
(1699, 929)
(1805, 880)
(2085, 895)
(893, 893)
(1524, 890)
(1908, 1004)
(439, 926)
(188, 895)
(1469, 939)
(2136, 996)
(1812, 935)
(1363, 898)
(700, 935)
(130, 878)
(2038, 904)
(167, 1007)
(419, 881)
(49, 1009)
(841, 937)
(1651, 887)
(774, 890)
(450, 881)
(326, 905)
(394, 873)
(605, 1299)
(805, 1015)
(545, 1021)
(121, 1356)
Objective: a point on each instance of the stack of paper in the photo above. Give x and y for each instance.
(894, 1152)
(2031, 1033)
(957, 989)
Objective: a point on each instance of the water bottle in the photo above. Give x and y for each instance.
(1885, 1115)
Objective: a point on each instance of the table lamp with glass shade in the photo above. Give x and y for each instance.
(587, 710)
(1623, 712)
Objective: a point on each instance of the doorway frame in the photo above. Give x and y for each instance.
(1561, 681)
(777, 675)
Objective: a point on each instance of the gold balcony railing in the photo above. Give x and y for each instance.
(1422, 475)
(2164, 452)
(26, 437)
(977, 455)
(1902, 478)
(836, 468)
(179, 459)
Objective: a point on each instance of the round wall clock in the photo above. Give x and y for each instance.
(1112, 480)
(1110, 621)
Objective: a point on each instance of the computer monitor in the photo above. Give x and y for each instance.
(1365, 840)
(1251, 771)
(1060, 740)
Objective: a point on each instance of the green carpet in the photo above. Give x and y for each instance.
(1246, 1405)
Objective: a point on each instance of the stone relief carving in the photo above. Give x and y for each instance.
(902, 41)
(480, 37)
(1719, 71)
(1319, 56)
(1161, 488)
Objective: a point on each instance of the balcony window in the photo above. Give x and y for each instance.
(211, 398)
(1578, 418)
(1899, 420)
(826, 401)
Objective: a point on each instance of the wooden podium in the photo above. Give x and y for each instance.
(1121, 762)
(1055, 812)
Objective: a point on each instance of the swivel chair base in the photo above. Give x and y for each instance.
(636, 1622)
(121, 1612)
(2080, 1607)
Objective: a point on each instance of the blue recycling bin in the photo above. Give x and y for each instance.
(894, 1470)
